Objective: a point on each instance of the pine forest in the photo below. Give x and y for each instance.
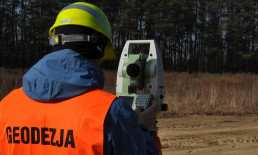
(193, 35)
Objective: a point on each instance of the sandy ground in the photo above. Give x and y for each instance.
(209, 135)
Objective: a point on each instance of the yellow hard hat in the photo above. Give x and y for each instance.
(87, 15)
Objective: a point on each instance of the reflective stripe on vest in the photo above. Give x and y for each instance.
(73, 126)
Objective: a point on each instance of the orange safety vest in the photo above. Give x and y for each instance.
(72, 126)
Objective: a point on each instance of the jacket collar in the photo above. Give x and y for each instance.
(61, 75)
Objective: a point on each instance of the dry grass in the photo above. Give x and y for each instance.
(201, 93)
(211, 93)
(10, 79)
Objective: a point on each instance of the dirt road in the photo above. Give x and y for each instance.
(209, 135)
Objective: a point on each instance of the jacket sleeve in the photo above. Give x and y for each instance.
(122, 133)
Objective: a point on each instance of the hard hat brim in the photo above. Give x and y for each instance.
(109, 53)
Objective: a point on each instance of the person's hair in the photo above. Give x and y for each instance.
(88, 50)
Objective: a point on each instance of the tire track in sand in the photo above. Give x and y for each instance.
(195, 133)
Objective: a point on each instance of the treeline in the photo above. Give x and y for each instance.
(193, 35)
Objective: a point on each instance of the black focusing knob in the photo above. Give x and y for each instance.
(161, 97)
(133, 70)
(164, 107)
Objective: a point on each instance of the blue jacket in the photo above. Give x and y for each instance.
(64, 74)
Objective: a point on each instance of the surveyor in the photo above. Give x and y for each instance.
(61, 108)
